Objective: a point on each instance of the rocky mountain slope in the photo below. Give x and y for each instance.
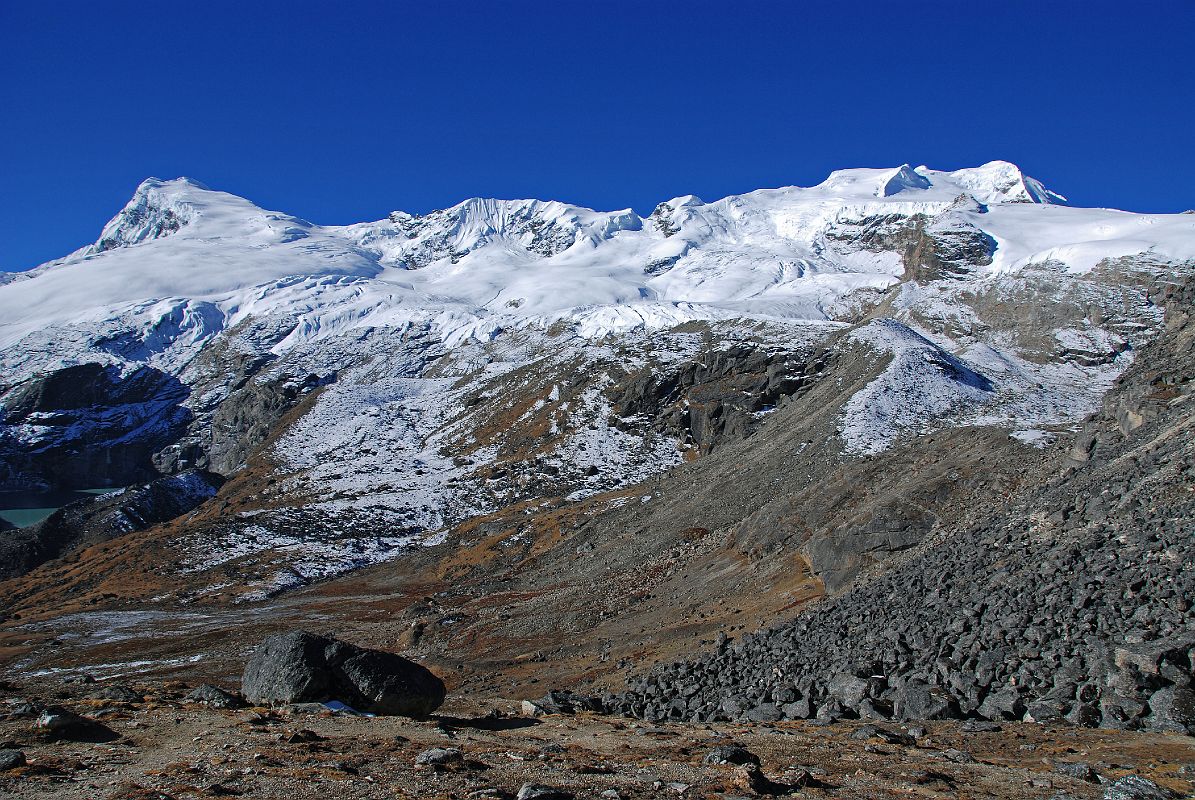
(533, 444)
(1071, 601)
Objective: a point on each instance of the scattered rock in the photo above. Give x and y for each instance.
(1134, 787)
(62, 724)
(750, 778)
(731, 754)
(11, 759)
(958, 756)
(1077, 770)
(532, 709)
(302, 736)
(215, 697)
(440, 757)
(119, 694)
(77, 679)
(980, 726)
(538, 791)
(24, 708)
(917, 701)
(560, 702)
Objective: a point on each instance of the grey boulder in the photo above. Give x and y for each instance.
(301, 667)
(11, 759)
(59, 723)
(1134, 787)
(731, 754)
(214, 697)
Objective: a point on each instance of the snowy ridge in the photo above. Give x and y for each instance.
(921, 385)
(488, 264)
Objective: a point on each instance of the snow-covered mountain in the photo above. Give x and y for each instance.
(790, 253)
(423, 369)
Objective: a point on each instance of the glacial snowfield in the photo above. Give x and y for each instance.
(196, 261)
(1026, 314)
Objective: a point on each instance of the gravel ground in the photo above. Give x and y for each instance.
(166, 747)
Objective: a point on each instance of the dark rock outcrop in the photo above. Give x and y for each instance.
(89, 425)
(716, 398)
(237, 427)
(302, 667)
(96, 519)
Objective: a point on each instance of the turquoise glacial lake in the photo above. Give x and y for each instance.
(27, 508)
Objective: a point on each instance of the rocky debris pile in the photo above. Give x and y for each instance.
(300, 667)
(1073, 604)
(175, 748)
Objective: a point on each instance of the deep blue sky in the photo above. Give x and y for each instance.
(340, 111)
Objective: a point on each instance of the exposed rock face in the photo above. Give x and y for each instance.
(946, 248)
(222, 440)
(97, 519)
(717, 397)
(302, 667)
(89, 425)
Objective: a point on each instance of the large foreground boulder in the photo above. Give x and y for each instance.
(302, 667)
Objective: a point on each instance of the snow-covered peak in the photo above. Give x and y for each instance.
(541, 226)
(537, 227)
(900, 179)
(997, 182)
(993, 183)
(487, 265)
(158, 208)
(685, 201)
(161, 208)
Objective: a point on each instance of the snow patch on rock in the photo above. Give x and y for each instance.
(921, 386)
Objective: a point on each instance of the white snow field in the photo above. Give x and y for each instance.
(207, 259)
